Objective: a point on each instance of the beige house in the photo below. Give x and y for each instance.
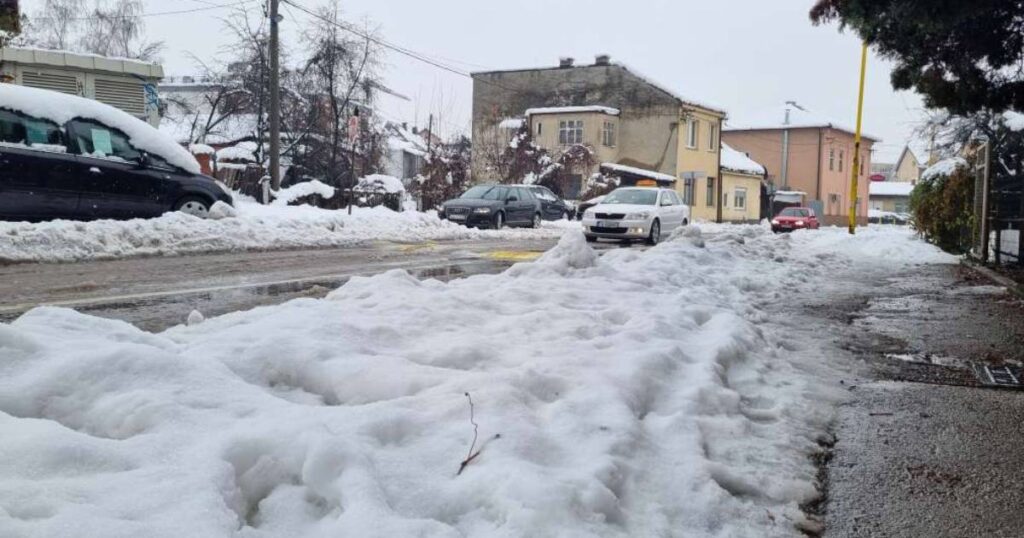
(913, 161)
(627, 120)
(809, 154)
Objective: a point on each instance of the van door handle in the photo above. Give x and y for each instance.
(96, 171)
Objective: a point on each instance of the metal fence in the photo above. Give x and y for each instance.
(999, 207)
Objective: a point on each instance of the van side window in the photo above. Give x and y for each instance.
(93, 139)
(24, 130)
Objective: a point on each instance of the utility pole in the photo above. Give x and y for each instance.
(275, 95)
(430, 133)
(856, 145)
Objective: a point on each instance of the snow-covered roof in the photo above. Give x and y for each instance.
(621, 168)
(80, 61)
(61, 108)
(380, 183)
(201, 149)
(737, 161)
(713, 107)
(236, 153)
(799, 118)
(891, 188)
(663, 87)
(573, 110)
(944, 167)
(512, 123)
(401, 138)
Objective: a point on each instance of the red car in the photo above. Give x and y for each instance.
(795, 218)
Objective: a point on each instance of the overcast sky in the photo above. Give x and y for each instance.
(740, 54)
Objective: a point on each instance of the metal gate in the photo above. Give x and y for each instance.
(999, 206)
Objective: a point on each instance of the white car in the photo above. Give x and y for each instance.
(633, 213)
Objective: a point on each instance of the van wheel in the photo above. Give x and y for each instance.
(193, 205)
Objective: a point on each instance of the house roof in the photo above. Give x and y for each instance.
(623, 169)
(891, 188)
(662, 87)
(775, 117)
(737, 161)
(573, 110)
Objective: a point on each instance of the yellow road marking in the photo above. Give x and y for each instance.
(513, 255)
(417, 247)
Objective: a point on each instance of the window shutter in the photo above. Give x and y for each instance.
(128, 96)
(50, 81)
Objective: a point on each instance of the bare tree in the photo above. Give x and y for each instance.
(339, 78)
(119, 30)
(56, 25)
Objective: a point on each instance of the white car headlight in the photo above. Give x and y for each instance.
(482, 210)
(638, 216)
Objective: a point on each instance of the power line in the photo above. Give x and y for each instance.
(391, 46)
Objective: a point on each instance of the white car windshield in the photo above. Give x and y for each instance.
(632, 197)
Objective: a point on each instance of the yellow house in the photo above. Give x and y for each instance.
(699, 158)
(741, 186)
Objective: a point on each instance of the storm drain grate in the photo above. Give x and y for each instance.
(999, 376)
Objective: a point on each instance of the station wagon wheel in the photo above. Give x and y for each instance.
(655, 233)
(536, 221)
(499, 221)
(193, 205)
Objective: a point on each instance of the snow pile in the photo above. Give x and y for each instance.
(380, 183)
(637, 394)
(945, 167)
(298, 191)
(61, 108)
(247, 226)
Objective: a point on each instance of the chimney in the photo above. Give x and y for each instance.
(566, 62)
(603, 60)
(786, 121)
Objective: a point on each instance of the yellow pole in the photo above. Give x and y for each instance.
(856, 145)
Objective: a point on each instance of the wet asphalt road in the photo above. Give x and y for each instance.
(921, 449)
(157, 293)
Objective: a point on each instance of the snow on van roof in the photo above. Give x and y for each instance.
(61, 108)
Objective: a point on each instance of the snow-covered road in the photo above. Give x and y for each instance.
(632, 394)
(248, 227)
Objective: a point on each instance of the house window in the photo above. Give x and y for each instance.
(831, 160)
(711, 192)
(688, 191)
(841, 155)
(725, 200)
(692, 133)
(740, 197)
(540, 129)
(608, 134)
(712, 137)
(570, 132)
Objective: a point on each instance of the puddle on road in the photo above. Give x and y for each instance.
(927, 358)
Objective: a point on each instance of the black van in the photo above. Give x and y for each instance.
(85, 169)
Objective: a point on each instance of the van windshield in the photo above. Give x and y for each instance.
(632, 197)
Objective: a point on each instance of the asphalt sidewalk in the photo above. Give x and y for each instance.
(922, 450)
